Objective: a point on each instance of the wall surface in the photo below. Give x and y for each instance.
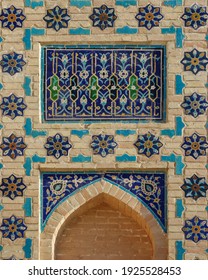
(31, 146)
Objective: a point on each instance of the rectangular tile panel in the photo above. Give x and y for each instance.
(108, 83)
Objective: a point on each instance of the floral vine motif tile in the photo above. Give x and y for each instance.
(98, 83)
(57, 146)
(12, 187)
(149, 188)
(195, 61)
(13, 228)
(195, 229)
(103, 144)
(12, 18)
(103, 17)
(195, 145)
(149, 16)
(195, 187)
(13, 146)
(148, 144)
(57, 18)
(12, 63)
(195, 16)
(13, 106)
(194, 105)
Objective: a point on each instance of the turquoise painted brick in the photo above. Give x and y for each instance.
(81, 158)
(27, 248)
(179, 250)
(1, 86)
(80, 133)
(1, 126)
(30, 132)
(168, 30)
(1, 166)
(126, 3)
(1, 248)
(173, 3)
(34, 3)
(178, 131)
(1, 39)
(126, 158)
(80, 3)
(179, 37)
(179, 207)
(1, 207)
(28, 166)
(37, 158)
(27, 86)
(29, 32)
(179, 85)
(127, 30)
(125, 132)
(80, 31)
(27, 207)
(179, 165)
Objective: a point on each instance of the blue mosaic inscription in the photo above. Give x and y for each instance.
(103, 83)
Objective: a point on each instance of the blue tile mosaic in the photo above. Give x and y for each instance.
(13, 228)
(103, 17)
(12, 63)
(103, 144)
(194, 105)
(12, 18)
(13, 106)
(196, 229)
(195, 145)
(195, 187)
(12, 187)
(13, 146)
(92, 83)
(149, 188)
(148, 144)
(57, 18)
(57, 146)
(195, 61)
(149, 17)
(195, 16)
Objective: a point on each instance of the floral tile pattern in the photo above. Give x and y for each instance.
(195, 187)
(13, 146)
(12, 18)
(13, 106)
(148, 144)
(149, 188)
(57, 18)
(149, 16)
(194, 105)
(110, 89)
(195, 16)
(13, 228)
(12, 186)
(57, 146)
(195, 61)
(195, 229)
(103, 17)
(12, 63)
(103, 144)
(195, 145)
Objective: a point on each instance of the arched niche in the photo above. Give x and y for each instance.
(91, 197)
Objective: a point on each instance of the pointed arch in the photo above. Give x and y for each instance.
(116, 198)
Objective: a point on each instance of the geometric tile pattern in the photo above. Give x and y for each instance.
(103, 17)
(111, 83)
(149, 188)
(195, 16)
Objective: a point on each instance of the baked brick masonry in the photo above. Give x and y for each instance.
(103, 129)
